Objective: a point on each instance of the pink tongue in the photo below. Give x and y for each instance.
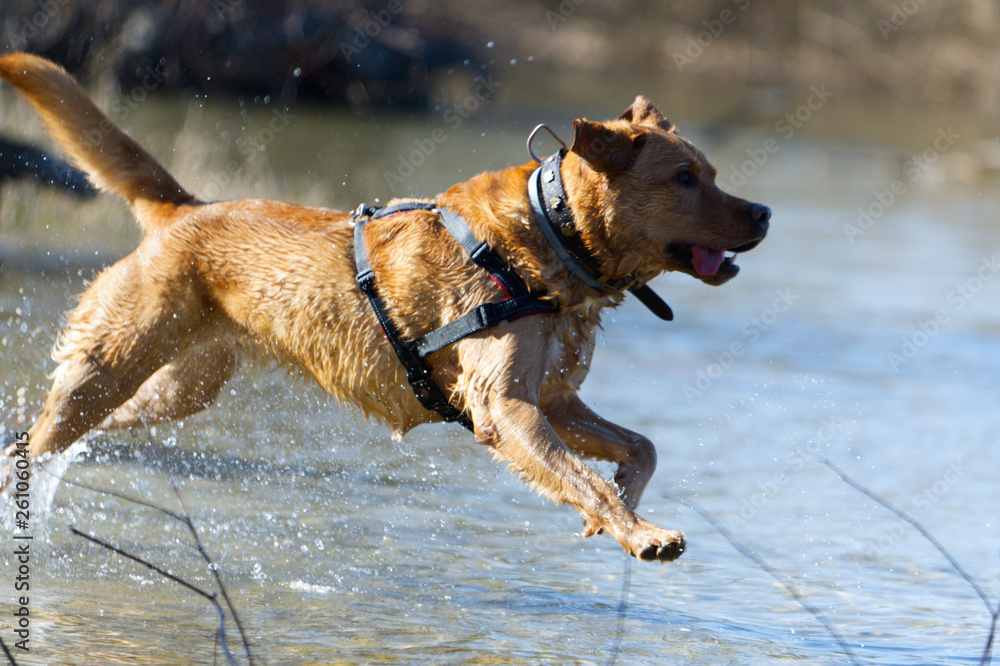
(706, 262)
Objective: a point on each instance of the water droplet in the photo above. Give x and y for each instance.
(489, 45)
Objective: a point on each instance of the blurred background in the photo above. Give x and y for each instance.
(863, 331)
(921, 51)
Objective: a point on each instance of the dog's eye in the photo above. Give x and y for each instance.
(686, 178)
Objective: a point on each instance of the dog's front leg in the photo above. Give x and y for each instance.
(519, 432)
(590, 436)
(504, 406)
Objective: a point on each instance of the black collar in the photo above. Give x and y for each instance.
(555, 218)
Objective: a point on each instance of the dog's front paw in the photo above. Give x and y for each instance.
(591, 527)
(650, 543)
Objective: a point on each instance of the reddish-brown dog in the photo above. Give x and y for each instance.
(156, 335)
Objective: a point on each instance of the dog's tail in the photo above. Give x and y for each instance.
(112, 160)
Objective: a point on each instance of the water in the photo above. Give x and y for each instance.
(338, 545)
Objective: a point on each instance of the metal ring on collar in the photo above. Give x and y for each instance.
(531, 137)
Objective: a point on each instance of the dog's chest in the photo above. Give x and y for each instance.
(570, 353)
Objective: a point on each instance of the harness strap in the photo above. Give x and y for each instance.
(411, 354)
(485, 316)
(417, 372)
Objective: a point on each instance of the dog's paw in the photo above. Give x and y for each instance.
(591, 527)
(654, 544)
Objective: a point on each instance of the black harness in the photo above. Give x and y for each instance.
(554, 217)
(519, 302)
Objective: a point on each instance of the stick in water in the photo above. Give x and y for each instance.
(756, 559)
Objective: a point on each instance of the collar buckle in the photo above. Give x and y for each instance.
(618, 284)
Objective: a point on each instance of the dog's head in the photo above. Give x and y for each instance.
(653, 199)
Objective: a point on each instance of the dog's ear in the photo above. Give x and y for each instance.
(604, 147)
(644, 112)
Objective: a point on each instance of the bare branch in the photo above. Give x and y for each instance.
(6, 651)
(988, 650)
(920, 528)
(622, 609)
(149, 565)
(756, 559)
(993, 610)
(166, 574)
(184, 516)
(121, 496)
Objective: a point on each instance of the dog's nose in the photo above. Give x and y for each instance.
(760, 214)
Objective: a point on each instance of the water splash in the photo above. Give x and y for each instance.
(45, 479)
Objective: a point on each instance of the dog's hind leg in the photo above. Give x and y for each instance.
(590, 436)
(187, 384)
(130, 322)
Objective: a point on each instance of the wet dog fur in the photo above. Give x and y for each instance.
(156, 335)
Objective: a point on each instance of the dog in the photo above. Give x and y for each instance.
(156, 335)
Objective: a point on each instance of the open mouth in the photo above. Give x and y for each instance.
(709, 264)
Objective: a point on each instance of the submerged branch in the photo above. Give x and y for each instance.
(149, 565)
(166, 574)
(994, 611)
(184, 516)
(6, 651)
(756, 559)
(616, 645)
(920, 528)
(987, 656)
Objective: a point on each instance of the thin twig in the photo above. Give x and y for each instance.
(994, 611)
(920, 528)
(756, 559)
(988, 650)
(121, 496)
(149, 565)
(166, 574)
(622, 610)
(221, 634)
(197, 542)
(6, 651)
(185, 516)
